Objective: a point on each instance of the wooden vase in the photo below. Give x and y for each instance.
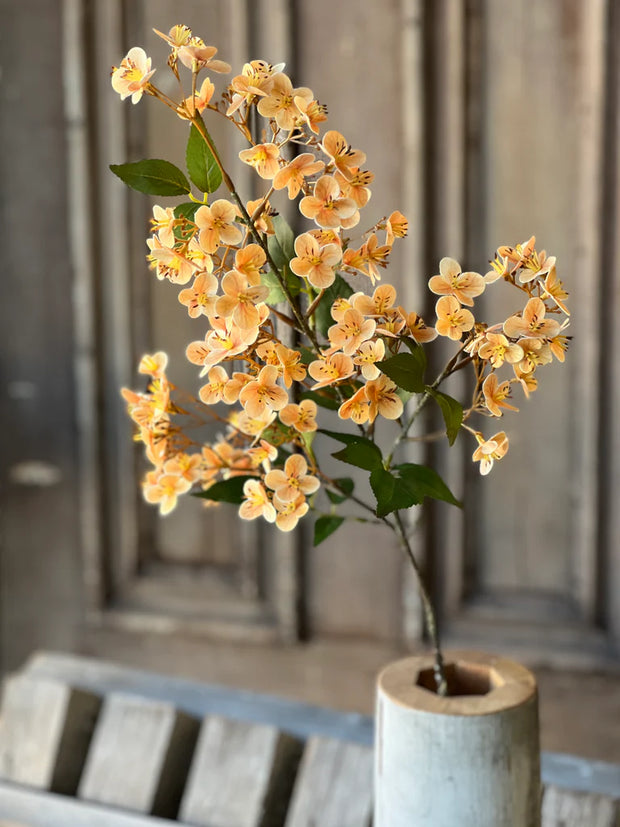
(471, 759)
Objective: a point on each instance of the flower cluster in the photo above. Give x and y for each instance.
(294, 323)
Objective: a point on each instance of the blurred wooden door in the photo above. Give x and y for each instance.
(485, 122)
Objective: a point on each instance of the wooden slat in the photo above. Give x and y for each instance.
(241, 776)
(565, 808)
(45, 731)
(334, 786)
(20, 807)
(140, 756)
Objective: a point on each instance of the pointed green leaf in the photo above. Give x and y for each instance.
(276, 294)
(325, 526)
(362, 453)
(389, 492)
(406, 369)
(346, 485)
(421, 481)
(201, 165)
(282, 243)
(226, 491)
(342, 437)
(452, 411)
(153, 177)
(322, 315)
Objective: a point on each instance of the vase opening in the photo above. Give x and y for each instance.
(463, 679)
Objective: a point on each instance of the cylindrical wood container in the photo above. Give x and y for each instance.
(471, 759)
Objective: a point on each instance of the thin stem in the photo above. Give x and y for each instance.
(315, 304)
(429, 614)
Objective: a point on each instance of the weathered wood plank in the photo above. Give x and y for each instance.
(140, 756)
(334, 786)
(566, 808)
(45, 731)
(20, 807)
(242, 775)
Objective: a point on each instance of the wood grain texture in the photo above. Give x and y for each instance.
(566, 808)
(140, 755)
(334, 786)
(45, 731)
(241, 776)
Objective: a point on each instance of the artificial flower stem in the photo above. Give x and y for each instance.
(441, 685)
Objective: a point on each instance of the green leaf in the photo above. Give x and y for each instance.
(362, 453)
(348, 439)
(452, 411)
(201, 165)
(322, 315)
(226, 491)
(390, 493)
(421, 481)
(406, 369)
(282, 244)
(346, 485)
(325, 526)
(322, 399)
(152, 177)
(276, 293)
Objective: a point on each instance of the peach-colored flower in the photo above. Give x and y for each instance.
(251, 425)
(381, 301)
(349, 334)
(535, 353)
(133, 75)
(527, 380)
(356, 187)
(197, 56)
(169, 264)
(312, 113)
(357, 407)
(393, 324)
(264, 159)
(518, 254)
(153, 364)
(536, 266)
(335, 146)
(217, 225)
(416, 327)
(532, 322)
(235, 385)
(289, 513)
(294, 174)
(185, 465)
(314, 262)
(290, 365)
(200, 101)
(256, 503)
(163, 223)
(554, 288)
(490, 450)
(301, 417)
(558, 346)
(340, 306)
(263, 393)
(280, 103)
(240, 299)
(178, 36)
(500, 268)
(495, 395)
(383, 398)
(255, 80)
(374, 256)
(497, 349)
(264, 221)
(452, 319)
(332, 368)
(164, 489)
(213, 391)
(451, 282)
(293, 480)
(263, 454)
(368, 354)
(396, 226)
(200, 298)
(325, 206)
(224, 341)
(248, 262)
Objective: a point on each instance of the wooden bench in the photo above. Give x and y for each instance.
(85, 743)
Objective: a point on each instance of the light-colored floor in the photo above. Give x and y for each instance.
(579, 711)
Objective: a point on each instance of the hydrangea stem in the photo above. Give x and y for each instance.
(430, 620)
